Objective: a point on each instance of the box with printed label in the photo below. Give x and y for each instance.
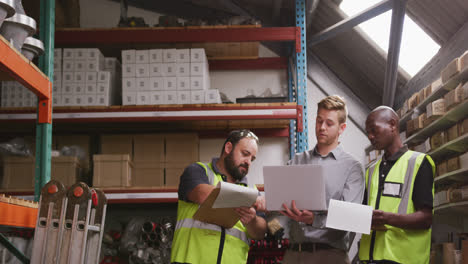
(67, 99)
(104, 76)
(68, 66)
(91, 88)
(182, 69)
(68, 54)
(197, 97)
(103, 100)
(197, 83)
(57, 100)
(80, 66)
(142, 70)
(438, 139)
(129, 98)
(169, 55)
(212, 96)
(143, 84)
(197, 55)
(143, 98)
(464, 127)
(103, 88)
(57, 87)
(436, 108)
(58, 65)
(129, 84)
(68, 88)
(93, 53)
(78, 100)
(156, 70)
(157, 98)
(112, 171)
(183, 55)
(170, 83)
(198, 69)
(112, 64)
(183, 97)
(90, 99)
(94, 66)
(170, 97)
(155, 56)
(128, 56)
(452, 69)
(156, 84)
(129, 70)
(57, 53)
(183, 83)
(81, 54)
(80, 77)
(169, 70)
(453, 98)
(142, 56)
(79, 88)
(91, 77)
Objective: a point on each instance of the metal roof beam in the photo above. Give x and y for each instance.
(351, 22)
(391, 71)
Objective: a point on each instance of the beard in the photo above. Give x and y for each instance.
(233, 169)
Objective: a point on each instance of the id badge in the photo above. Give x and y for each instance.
(392, 189)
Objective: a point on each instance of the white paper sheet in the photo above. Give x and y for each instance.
(349, 216)
(233, 195)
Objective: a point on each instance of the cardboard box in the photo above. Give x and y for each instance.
(81, 54)
(410, 129)
(436, 108)
(197, 55)
(129, 98)
(93, 54)
(103, 100)
(79, 89)
(170, 97)
(112, 171)
(18, 173)
(91, 88)
(169, 70)
(128, 56)
(421, 95)
(198, 69)
(142, 70)
(91, 77)
(142, 56)
(143, 98)
(91, 99)
(453, 132)
(428, 91)
(464, 161)
(104, 76)
(197, 83)
(148, 174)
(183, 55)
(129, 70)
(169, 55)
(438, 139)
(463, 127)
(81, 66)
(183, 83)
(56, 99)
(56, 88)
(67, 170)
(83, 142)
(212, 96)
(420, 123)
(68, 77)
(117, 144)
(182, 69)
(103, 88)
(143, 84)
(155, 56)
(453, 98)
(442, 168)
(170, 83)
(413, 101)
(156, 84)
(464, 91)
(173, 173)
(80, 77)
(453, 164)
(157, 98)
(68, 54)
(68, 66)
(463, 65)
(197, 97)
(183, 148)
(67, 99)
(183, 97)
(149, 148)
(129, 84)
(156, 70)
(452, 69)
(78, 100)
(436, 85)
(405, 107)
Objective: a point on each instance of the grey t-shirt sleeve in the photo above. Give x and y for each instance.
(192, 176)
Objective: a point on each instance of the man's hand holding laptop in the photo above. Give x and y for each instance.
(304, 216)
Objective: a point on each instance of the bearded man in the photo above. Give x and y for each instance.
(197, 242)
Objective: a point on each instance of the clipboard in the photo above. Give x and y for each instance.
(225, 217)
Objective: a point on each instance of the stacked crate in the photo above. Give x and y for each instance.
(166, 76)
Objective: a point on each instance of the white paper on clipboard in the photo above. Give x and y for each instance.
(349, 216)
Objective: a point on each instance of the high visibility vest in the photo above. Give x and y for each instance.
(396, 244)
(198, 242)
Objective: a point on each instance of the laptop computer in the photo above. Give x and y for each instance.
(303, 183)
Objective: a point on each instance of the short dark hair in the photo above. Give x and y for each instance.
(236, 135)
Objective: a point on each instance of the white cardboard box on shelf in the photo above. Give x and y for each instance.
(128, 56)
(91, 88)
(170, 83)
(212, 96)
(198, 83)
(57, 87)
(183, 83)
(68, 54)
(182, 69)
(198, 68)
(129, 84)
(91, 77)
(142, 70)
(183, 97)
(143, 84)
(156, 69)
(67, 99)
(57, 99)
(80, 77)
(78, 100)
(143, 98)
(169, 55)
(104, 76)
(183, 55)
(197, 55)
(156, 83)
(103, 88)
(81, 54)
(93, 53)
(142, 56)
(80, 66)
(157, 98)
(111, 63)
(68, 66)
(90, 99)
(197, 97)
(68, 77)
(67, 88)
(155, 56)
(58, 53)
(129, 70)
(93, 66)
(103, 100)
(57, 65)
(79, 88)
(169, 70)
(129, 98)
(170, 97)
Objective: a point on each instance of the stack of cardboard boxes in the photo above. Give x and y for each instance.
(166, 76)
(15, 94)
(144, 160)
(83, 77)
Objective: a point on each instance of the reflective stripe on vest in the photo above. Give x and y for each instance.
(192, 223)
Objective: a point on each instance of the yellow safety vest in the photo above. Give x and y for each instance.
(396, 244)
(197, 242)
